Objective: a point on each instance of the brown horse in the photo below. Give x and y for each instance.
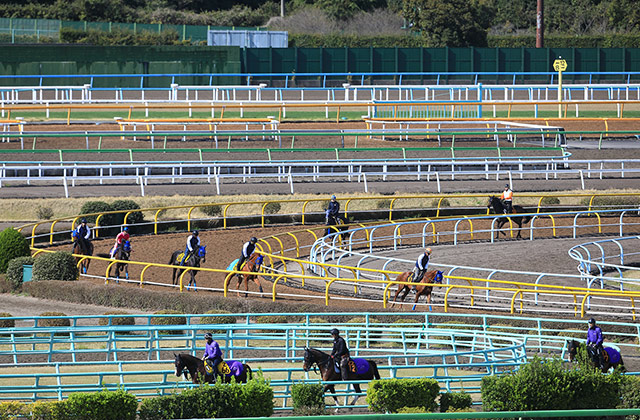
(251, 267)
(194, 367)
(496, 205)
(79, 250)
(433, 276)
(359, 369)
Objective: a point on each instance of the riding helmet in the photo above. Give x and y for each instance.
(195, 232)
(335, 331)
(333, 197)
(254, 240)
(506, 185)
(83, 220)
(208, 336)
(427, 251)
(592, 321)
(125, 229)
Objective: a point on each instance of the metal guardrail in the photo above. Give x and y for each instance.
(593, 257)
(455, 349)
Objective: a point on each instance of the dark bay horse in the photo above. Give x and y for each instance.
(496, 205)
(123, 252)
(193, 261)
(78, 249)
(193, 367)
(251, 267)
(359, 369)
(337, 224)
(612, 357)
(433, 276)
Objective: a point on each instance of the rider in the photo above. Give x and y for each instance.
(247, 251)
(332, 214)
(594, 341)
(507, 199)
(421, 265)
(193, 244)
(340, 353)
(212, 354)
(83, 233)
(120, 239)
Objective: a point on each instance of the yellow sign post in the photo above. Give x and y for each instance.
(560, 65)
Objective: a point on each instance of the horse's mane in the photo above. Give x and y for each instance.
(189, 358)
(319, 353)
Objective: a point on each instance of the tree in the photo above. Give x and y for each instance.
(449, 23)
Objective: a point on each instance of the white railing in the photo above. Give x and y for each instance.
(360, 250)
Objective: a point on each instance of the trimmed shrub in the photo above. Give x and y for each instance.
(97, 207)
(455, 401)
(12, 245)
(172, 320)
(6, 323)
(272, 319)
(614, 201)
(550, 201)
(14, 271)
(135, 217)
(543, 384)
(54, 322)
(103, 405)
(46, 410)
(383, 204)
(44, 213)
(390, 395)
(630, 395)
(254, 399)
(224, 319)
(444, 203)
(55, 266)
(12, 410)
(272, 208)
(117, 320)
(308, 399)
(212, 210)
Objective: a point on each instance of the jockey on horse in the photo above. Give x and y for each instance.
(332, 214)
(120, 240)
(82, 235)
(193, 244)
(212, 355)
(507, 199)
(247, 250)
(340, 354)
(422, 263)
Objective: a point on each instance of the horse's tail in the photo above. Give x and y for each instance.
(374, 366)
(172, 259)
(526, 219)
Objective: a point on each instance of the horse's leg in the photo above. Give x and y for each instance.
(332, 389)
(240, 277)
(256, 281)
(519, 223)
(356, 388)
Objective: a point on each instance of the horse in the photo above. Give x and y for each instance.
(336, 224)
(498, 208)
(193, 367)
(433, 276)
(358, 369)
(79, 250)
(123, 253)
(612, 357)
(193, 261)
(251, 267)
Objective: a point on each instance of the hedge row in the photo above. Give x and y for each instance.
(255, 399)
(12, 245)
(104, 405)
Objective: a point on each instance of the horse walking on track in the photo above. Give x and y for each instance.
(359, 369)
(193, 367)
(79, 250)
(612, 357)
(498, 208)
(422, 288)
(193, 261)
(251, 267)
(123, 253)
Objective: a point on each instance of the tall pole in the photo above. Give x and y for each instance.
(540, 25)
(282, 8)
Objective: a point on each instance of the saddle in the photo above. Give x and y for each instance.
(222, 368)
